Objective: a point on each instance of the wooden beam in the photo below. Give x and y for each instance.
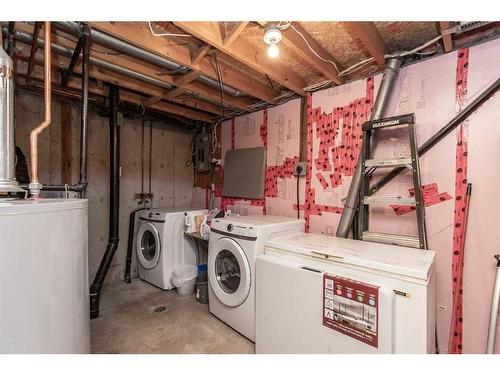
(130, 84)
(200, 53)
(234, 33)
(175, 93)
(167, 107)
(151, 71)
(183, 80)
(138, 33)
(447, 40)
(370, 37)
(253, 56)
(294, 41)
(34, 49)
(66, 143)
(152, 100)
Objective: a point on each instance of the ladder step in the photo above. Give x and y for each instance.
(377, 199)
(392, 239)
(389, 163)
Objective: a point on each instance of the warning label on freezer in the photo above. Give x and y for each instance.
(351, 307)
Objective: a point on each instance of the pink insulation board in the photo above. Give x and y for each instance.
(430, 90)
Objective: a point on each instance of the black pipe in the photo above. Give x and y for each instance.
(130, 244)
(443, 132)
(84, 118)
(114, 202)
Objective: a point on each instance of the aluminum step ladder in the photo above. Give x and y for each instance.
(368, 167)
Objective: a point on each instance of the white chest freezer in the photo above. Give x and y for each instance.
(319, 294)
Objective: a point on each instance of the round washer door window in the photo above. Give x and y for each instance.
(148, 246)
(229, 272)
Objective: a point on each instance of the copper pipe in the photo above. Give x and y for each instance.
(34, 185)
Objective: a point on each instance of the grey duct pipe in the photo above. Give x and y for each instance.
(384, 92)
(141, 54)
(443, 132)
(114, 203)
(27, 38)
(8, 183)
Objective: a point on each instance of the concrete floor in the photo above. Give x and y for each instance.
(129, 324)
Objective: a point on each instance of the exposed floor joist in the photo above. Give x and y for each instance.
(110, 78)
(369, 36)
(150, 71)
(300, 46)
(447, 40)
(234, 33)
(138, 33)
(253, 56)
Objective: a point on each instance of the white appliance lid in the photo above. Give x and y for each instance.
(28, 206)
(257, 220)
(399, 260)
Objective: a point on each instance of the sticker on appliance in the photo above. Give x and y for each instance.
(351, 307)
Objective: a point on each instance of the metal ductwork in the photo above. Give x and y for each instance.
(121, 46)
(384, 92)
(63, 51)
(8, 183)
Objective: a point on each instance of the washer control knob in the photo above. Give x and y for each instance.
(150, 215)
(230, 227)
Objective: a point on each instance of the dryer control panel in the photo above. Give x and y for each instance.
(234, 229)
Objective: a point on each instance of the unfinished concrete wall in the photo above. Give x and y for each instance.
(171, 180)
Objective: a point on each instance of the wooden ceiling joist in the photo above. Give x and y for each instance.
(293, 40)
(447, 41)
(369, 36)
(200, 54)
(126, 83)
(138, 33)
(253, 56)
(150, 71)
(234, 33)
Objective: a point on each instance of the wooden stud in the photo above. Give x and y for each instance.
(447, 40)
(370, 37)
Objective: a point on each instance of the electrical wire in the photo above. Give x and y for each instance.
(221, 116)
(165, 34)
(312, 50)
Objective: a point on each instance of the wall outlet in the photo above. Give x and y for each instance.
(301, 164)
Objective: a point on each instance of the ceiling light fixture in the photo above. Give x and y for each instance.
(272, 37)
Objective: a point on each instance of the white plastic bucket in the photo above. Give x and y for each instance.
(184, 279)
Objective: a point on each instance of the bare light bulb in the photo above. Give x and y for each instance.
(273, 51)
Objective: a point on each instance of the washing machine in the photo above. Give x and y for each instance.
(234, 244)
(162, 245)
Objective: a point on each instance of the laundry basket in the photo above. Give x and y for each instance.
(184, 278)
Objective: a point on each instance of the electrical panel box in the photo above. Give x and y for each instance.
(202, 152)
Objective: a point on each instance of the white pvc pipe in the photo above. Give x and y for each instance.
(492, 328)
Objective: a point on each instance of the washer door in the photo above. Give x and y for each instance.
(229, 272)
(148, 246)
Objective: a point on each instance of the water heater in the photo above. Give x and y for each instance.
(44, 296)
